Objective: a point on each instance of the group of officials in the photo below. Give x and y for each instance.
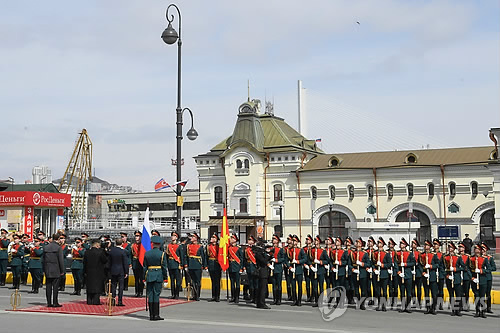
(370, 271)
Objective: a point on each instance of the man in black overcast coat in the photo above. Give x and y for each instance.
(118, 269)
(94, 262)
(53, 267)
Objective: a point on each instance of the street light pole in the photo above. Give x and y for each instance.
(11, 183)
(280, 203)
(330, 203)
(170, 36)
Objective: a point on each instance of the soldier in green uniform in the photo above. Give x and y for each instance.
(16, 263)
(175, 262)
(4, 256)
(348, 274)
(430, 265)
(127, 247)
(77, 265)
(307, 271)
(441, 275)
(318, 259)
(35, 265)
(297, 258)
(155, 272)
(86, 245)
(466, 277)
(26, 258)
(454, 267)
(393, 273)
(250, 266)
(406, 262)
(196, 262)
(288, 276)
(136, 264)
(381, 264)
(372, 278)
(235, 256)
(416, 289)
(276, 266)
(155, 232)
(489, 276)
(360, 270)
(66, 251)
(214, 269)
(479, 267)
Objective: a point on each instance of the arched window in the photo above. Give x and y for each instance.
(369, 189)
(332, 192)
(239, 165)
(334, 162)
(278, 192)
(350, 191)
(247, 164)
(409, 188)
(411, 158)
(453, 188)
(333, 224)
(218, 194)
(390, 191)
(430, 190)
(417, 216)
(314, 193)
(243, 205)
(473, 188)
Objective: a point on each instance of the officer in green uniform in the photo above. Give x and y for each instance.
(307, 271)
(393, 274)
(406, 262)
(416, 289)
(466, 277)
(381, 264)
(441, 274)
(372, 278)
(26, 258)
(4, 256)
(349, 276)
(196, 262)
(127, 247)
(288, 276)
(318, 259)
(175, 262)
(430, 265)
(489, 277)
(155, 272)
(454, 267)
(250, 265)
(35, 266)
(479, 267)
(297, 258)
(16, 263)
(214, 269)
(360, 269)
(276, 266)
(65, 250)
(77, 265)
(235, 256)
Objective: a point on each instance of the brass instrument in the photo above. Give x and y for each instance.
(15, 299)
(110, 301)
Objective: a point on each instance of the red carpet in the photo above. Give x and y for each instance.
(132, 305)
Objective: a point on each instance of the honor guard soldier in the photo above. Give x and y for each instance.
(372, 278)
(339, 259)
(127, 247)
(318, 259)
(307, 271)
(406, 262)
(276, 266)
(441, 276)
(349, 276)
(66, 251)
(416, 289)
(26, 258)
(479, 268)
(381, 263)
(136, 264)
(85, 241)
(453, 267)
(196, 262)
(466, 277)
(329, 249)
(4, 256)
(35, 266)
(175, 262)
(288, 276)
(430, 263)
(235, 255)
(77, 252)
(214, 269)
(155, 273)
(296, 260)
(16, 261)
(489, 277)
(250, 265)
(155, 232)
(393, 273)
(360, 265)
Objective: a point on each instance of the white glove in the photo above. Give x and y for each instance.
(294, 261)
(358, 263)
(272, 267)
(337, 262)
(369, 270)
(273, 260)
(452, 269)
(426, 275)
(335, 270)
(327, 267)
(389, 271)
(477, 270)
(403, 264)
(427, 266)
(292, 270)
(475, 280)
(401, 275)
(356, 271)
(450, 277)
(314, 269)
(316, 261)
(377, 272)
(307, 267)
(379, 263)
(413, 272)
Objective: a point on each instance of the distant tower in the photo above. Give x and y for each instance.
(42, 175)
(301, 108)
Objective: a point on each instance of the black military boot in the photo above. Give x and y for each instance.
(275, 299)
(33, 287)
(151, 311)
(157, 311)
(488, 305)
(75, 292)
(278, 300)
(62, 284)
(478, 310)
(2, 280)
(125, 284)
(299, 296)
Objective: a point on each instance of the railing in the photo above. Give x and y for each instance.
(101, 224)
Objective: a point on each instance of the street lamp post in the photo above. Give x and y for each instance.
(330, 204)
(170, 36)
(280, 203)
(11, 183)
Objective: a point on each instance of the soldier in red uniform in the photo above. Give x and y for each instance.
(416, 290)
(235, 255)
(214, 269)
(381, 263)
(489, 277)
(196, 262)
(454, 268)
(340, 265)
(392, 272)
(278, 259)
(406, 262)
(360, 270)
(466, 277)
(307, 271)
(329, 249)
(440, 273)
(318, 259)
(288, 276)
(175, 262)
(136, 265)
(479, 268)
(372, 278)
(430, 263)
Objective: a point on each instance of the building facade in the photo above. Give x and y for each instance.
(266, 170)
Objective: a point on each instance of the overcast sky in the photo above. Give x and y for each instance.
(410, 74)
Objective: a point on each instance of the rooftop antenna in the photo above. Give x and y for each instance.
(248, 87)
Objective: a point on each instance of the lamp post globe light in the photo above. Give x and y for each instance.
(280, 203)
(330, 204)
(170, 36)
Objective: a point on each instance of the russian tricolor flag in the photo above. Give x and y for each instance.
(146, 238)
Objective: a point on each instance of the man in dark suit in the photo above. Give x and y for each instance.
(94, 261)
(53, 267)
(118, 268)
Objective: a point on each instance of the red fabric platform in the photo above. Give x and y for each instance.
(132, 305)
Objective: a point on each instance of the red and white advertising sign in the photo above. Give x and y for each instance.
(28, 222)
(38, 199)
(2, 212)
